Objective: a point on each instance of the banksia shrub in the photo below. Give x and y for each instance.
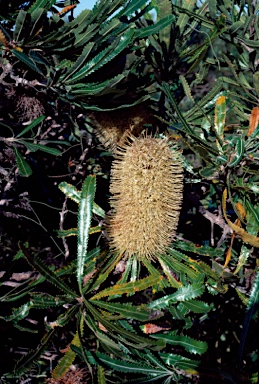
(146, 187)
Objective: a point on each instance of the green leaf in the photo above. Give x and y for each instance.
(23, 166)
(46, 4)
(45, 271)
(101, 375)
(252, 309)
(62, 319)
(197, 306)
(155, 28)
(71, 192)
(26, 60)
(35, 147)
(65, 363)
(32, 357)
(185, 293)
(19, 313)
(105, 56)
(20, 24)
(131, 287)
(184, 17)
(78, 64)
(126, 366)
(43, 300)
(189, 344)
(84, 223)
(126, 310)
(33, 124)
(180, 362)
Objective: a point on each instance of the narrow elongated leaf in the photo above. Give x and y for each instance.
(191, 345)
(126, 336)
(197, 306)
(84, 224)
(129, 311)
(71, 192)
(131, 287)
(46, 4)
(180, 362)
(19, 313)
(33, 124)
(126, 366)
(101, 375)
(182, 294)
(62, 319)
(183, 19)
(252, 309)
(26, 60)
(155, 28)
(29, 359)
(105, 56)
(46, 301)
(20, 24)
(23, 166)
(45, 271)
(66, 361)
(35, 147)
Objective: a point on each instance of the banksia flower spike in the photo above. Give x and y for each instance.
(146, 187)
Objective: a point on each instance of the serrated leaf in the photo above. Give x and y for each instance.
(101, 375)
(66, 361)
(186, 88)
(84, 223)
(29, 359)
(35, 147)
(46, 301)
(155, 28)
(125, 336)
(131, 287)
(181, 362)
(20, 24)
(103, 57)
(251, 310)
(45, 271)
(62, 319)
(71, 192)
(46, 4)
(184, 16)
(129, 311)
(19, 313)
(23, 166)
(33, 124)
(79, 62)
(197, 306)
(124, 366)
(189, 344)
(26, 60)
(185, 293)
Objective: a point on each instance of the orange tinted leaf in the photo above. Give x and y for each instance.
(221, 100)
(3, 39)
(66, 9)
(153, 328)
(241, 209)
(254, 120)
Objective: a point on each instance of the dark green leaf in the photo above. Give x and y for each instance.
(23, 166)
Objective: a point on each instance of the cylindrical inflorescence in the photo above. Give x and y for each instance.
(146, 187)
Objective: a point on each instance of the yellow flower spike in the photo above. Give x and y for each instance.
(146, 186)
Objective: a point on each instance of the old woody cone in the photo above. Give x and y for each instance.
(146, 187)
